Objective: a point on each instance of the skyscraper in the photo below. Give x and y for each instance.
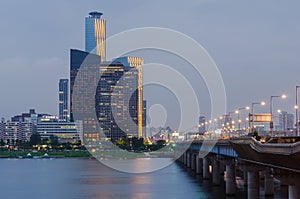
(63, 96)
(117, 99)
(202, 127)
(79, 59)
(133, 80)
(145, 118)
(95, 34)
(286, 121)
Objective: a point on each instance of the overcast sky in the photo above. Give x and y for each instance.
(256, 44)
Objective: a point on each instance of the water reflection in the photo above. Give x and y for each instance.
(88, 179)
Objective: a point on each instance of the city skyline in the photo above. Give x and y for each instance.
(258, 59)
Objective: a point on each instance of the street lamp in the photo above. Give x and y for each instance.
(297, 112)
(230, 118)
(271, 110)
(252, 113)
(238, 112)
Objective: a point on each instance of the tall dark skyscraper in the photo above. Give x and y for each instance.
(63, 95)
(95, 34)
(77, 58)
(117, 100)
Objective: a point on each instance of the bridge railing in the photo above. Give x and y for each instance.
(277, 148)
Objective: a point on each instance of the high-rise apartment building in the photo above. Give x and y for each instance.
(95, 34)
(63, 102)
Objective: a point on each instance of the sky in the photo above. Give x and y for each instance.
(255, 45)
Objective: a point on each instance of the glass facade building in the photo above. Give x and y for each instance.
(116, 99)
(95, 34)
(63, 96)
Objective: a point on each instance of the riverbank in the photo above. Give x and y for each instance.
(51, 154)
(85, 154)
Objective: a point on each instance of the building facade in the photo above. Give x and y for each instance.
(95, 34)
(63, 97)
(286, 122)
(13, 132)
(114, 95)
(51, 126)
(202, 125)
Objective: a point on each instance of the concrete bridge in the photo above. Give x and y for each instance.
(252, 159)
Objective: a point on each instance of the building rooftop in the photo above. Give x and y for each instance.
(95, 14)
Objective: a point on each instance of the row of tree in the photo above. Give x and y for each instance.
(137, 144)
(36, 140)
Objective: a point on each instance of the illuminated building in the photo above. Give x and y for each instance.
(95, 34)
(2, 130)
(63, 100)
(77, 58)
(50, 126)
(202, 126)
(133, 80)
(144, 118)
(286, 121)
(117, 99)
(13, 132)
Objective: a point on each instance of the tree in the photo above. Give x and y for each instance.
(35, 139)
(54, 140)
(256, 136)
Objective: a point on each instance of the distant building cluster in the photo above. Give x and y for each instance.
(117, 100)
(21, 127)
(286, 122)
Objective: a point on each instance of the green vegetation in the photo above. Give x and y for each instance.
(38, 147)
(256, 136)
(138, 145)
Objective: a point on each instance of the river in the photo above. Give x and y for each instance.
(88, 179)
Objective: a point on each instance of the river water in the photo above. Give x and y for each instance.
(88, 179)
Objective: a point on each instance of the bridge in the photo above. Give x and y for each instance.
(248, 157)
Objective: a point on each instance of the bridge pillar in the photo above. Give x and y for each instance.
(193, 162)
(216, 172)
(222, 168)
(245, 178)
(294, 191)
(199, 165)
(188, 160)
(206, 168)
(292, 179)
(269, 183)
(184, 157)
(230, 179)
(253, 184)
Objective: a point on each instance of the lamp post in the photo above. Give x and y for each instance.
(252, 114)
(271, 111)
(238, 112)
(297, 112)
